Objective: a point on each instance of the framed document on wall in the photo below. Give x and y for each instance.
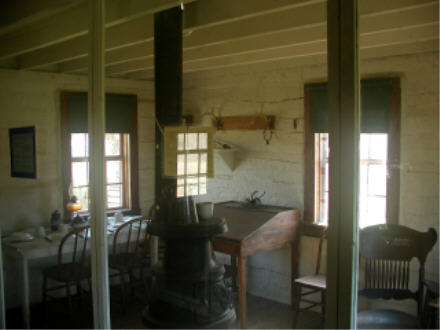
(22, 146)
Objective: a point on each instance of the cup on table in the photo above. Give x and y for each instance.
(41, 231)
(119, 217)
(205, 210)
(111, 220)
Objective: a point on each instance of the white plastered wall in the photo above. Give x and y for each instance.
(33, 99)
(277, 89)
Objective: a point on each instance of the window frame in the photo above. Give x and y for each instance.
(393, 159)
(198, 151)
(123, 157)
(133, 193)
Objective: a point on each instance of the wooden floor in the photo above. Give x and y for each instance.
(262, 314)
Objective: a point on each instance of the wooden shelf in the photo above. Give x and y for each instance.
(245, 123)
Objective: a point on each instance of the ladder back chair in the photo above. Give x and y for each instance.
(72, 272)
(315, 283)
(130, 252)
(386, 252)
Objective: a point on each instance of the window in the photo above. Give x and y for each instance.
(372, 184)
(192, 163)
(189, 158)
(120, 150)
(117, 161)
(379, 151)
(321, 178)
(373, 179)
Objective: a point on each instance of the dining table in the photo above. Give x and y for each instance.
(42, 247)
(253, 229)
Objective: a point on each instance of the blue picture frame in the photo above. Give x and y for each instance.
(22, 150)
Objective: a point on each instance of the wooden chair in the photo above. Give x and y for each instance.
(431, 305)
(70, 273)
(130, 252)
(315, 283)
(386, 252)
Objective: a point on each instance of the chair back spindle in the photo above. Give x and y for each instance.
(79, 238)
(136, 237)
(387, 251)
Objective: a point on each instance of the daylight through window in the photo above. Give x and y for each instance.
(117, 163)
(373, 178)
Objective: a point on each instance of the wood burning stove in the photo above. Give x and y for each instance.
(188, 289)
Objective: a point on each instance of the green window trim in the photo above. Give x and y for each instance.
(119, 113)
(376, 98)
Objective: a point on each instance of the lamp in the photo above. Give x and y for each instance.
(73, 205)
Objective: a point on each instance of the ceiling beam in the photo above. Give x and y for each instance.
(73, 23)
(314, 14)
(255, 19)
(207, 13)
(124, 54)
(118, 36)
(15, 15)
(229, 10)
(142, 53)
(302, 41)
(366, 53)
(374, 40)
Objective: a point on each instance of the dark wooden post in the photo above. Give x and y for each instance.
(168, 86)
(344, 126)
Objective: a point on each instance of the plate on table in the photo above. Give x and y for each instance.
(113, 228)
(131, 217)
(56, 236)
(18, 237)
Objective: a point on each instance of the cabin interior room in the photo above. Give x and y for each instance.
(207, 163)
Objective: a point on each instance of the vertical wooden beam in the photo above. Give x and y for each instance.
(344, 127)
(96, 120)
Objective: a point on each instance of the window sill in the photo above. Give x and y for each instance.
(112, 212)
(312, 229)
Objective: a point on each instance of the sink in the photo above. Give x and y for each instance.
(253, 207)
(244, 205)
